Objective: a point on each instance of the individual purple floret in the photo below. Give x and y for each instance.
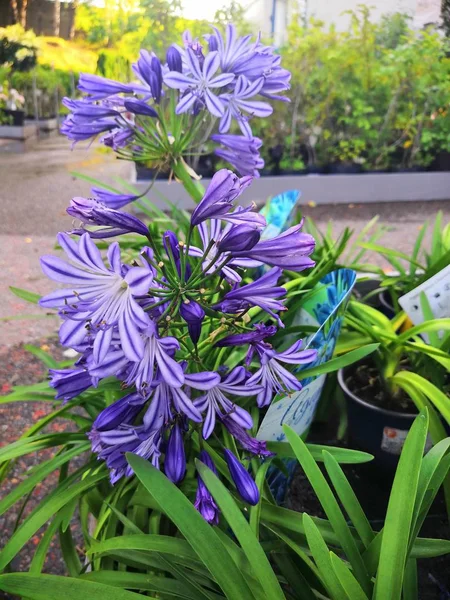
(216, 405)
(198, 84)
(204, 502)
(98, 296)
(245, 440)
(69, 383)
(241, 152)
(243, 481)
(175, 461)
(272, 376)
(111, 222)
(111, 199)
(263, 293)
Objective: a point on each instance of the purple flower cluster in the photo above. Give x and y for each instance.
(149, 322)
(230, 77)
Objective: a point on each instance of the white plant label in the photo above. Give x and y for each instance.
(437, 291)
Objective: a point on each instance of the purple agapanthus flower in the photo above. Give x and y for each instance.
(174, 61)
(198, 84)
(167, 399)
(118, 138)
(149, 71)
(69, 383)
(260, 333)
(175, 460)
(239, 101)
(120, 412)
(112, 222)
(263, 293)
(157, 353)
(100, 87)
(99, 297)
(204, 502)
(79, 131)
(216, 404)
(111, 199)
(272, 376)
(289, 250)
(239, 237)
(140, 107)
(193, 314)
(241, 152)
(111, 446)
(220, 194)
(243, 481)
(246, 441)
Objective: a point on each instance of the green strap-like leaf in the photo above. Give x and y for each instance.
(321, 555)
(398, 522)
(330, 506)
(31, 297)
(352, 588)
(348, 498)
(245, 536)
(438, 398)
(49, 587)
(191, 524)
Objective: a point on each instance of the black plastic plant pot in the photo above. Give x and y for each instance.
(375, 430)
(17, 116)
(386, 306)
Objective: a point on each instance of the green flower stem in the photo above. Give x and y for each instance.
(195, 191)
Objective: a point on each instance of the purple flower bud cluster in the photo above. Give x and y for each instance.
(230, 77)
(151, 322)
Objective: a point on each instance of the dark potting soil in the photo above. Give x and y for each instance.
(365, 381)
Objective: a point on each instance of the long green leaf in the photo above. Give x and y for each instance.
(342, 455)
(398, 522)
(321, 555)
(40, 473)
(339, 363)
(330, 506)
(199, 534)
(141, 581)
(241, 529)
(351, 586)
(49, 587)
(348, 499)
(41, 516)
(438, 398)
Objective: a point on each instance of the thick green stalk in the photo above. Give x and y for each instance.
(195, 191)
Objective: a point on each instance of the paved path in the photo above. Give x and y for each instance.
(35, 189)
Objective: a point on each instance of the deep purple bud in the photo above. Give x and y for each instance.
(193, 314)
(212, 43)
(245, 485)
(174, 61)
(247, 442)
(204, 502)
(121, 412)
(139, 107)
(175, 462)
(241, 237)
(253, 337)
(69, 383)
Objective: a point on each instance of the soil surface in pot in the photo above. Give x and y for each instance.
(365, 381)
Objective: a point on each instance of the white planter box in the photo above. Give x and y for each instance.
(323, 189)
(15, 132)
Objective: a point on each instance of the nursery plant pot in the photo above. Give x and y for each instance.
(18, 116)
(376, 430)
(386, 306)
